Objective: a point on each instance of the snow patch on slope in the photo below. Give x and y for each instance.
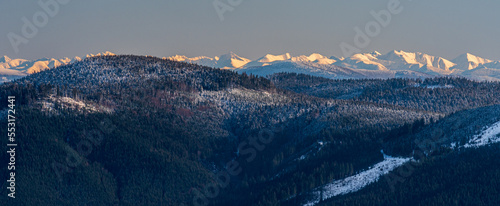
(49, 105)
(490, 135)
(359, 181)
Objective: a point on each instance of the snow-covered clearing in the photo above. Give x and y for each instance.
(489, 136)
(49, 104)
(359, 181)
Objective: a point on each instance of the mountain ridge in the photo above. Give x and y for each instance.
(394, 64)
(379, 65)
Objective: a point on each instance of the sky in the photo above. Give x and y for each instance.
(250, 28)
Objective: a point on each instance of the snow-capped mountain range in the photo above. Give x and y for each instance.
(226, 61)
(16, 68)
(362, 65)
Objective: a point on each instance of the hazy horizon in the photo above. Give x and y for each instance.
(253, 28)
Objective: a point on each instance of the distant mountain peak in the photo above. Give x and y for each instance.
(320, 59)
(471, 57)
(469, 61)
(231, 55)
(337, 58)
(231, 60)
(177, 57)
(400, 53)
(315, 56)
(107, 53)
(375, 53)
(5, 59)
(272, 58)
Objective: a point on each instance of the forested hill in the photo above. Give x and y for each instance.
(94, 73)
(457, 164)
(443, 94)
(165, 128)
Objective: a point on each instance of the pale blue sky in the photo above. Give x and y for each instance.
(255, 27)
